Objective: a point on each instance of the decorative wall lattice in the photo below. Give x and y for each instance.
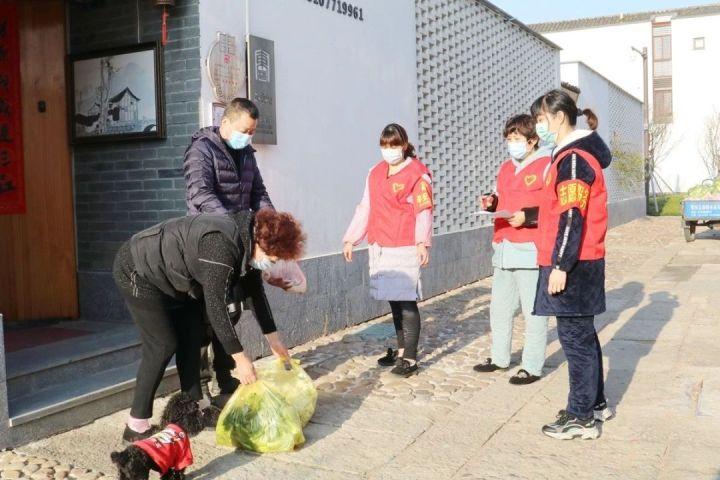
(626, 133)
(475, 70)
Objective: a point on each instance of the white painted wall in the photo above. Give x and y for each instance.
(339, 82)
(607, 50)
(695, 73)
(620, 120)
(695, 96)
(595, 94)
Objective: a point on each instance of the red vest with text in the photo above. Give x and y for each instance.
(516, 191)
(169, 449)
(558, 198)
(392, 215)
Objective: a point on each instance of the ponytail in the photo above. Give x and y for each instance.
(556, 101)
(410, 151)
(590, 118)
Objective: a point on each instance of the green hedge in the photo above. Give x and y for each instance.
(670, 205)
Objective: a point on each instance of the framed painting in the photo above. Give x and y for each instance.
(117, 94)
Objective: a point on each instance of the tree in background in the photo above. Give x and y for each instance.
(710, 144)
(627, 164)
(659, 149)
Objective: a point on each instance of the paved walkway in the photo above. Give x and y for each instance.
(662, 363)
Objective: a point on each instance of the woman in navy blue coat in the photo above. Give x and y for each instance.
(571, 254)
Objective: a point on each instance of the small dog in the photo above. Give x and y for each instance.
(168, 451)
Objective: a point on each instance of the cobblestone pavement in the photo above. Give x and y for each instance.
(660, 339)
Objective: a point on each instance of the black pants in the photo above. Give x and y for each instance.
(222, 362)
(581, 345)
(166, 326)
(406, 318)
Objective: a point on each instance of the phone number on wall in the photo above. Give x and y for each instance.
(342, 8)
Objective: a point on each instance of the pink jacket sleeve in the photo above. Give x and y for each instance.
(423, 227)
(358, 226)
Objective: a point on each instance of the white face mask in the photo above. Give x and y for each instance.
(393, 156)
(262, 264)
(517, 150)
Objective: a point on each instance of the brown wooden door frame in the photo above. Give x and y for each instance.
(38, 268)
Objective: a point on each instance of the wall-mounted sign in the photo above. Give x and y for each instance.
(347, 9)
(218, 109)
(226, 69)
(12, 183)
(261, 87)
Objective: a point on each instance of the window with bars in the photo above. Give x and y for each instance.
(662, 72)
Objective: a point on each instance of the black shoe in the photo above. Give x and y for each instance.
(405, 368)
(567, 427)
(221, 400)
(523, 377)
(131, 436)
(488, 366)
(227, 386)
(389, 359)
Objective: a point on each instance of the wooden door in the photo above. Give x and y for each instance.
(38, 273)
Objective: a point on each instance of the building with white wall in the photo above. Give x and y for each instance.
(445, 69)
(683, 49)
(338, 82)
(620, 116)
(451, 71)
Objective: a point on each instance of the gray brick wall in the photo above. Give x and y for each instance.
(475, 70)
(121, 188)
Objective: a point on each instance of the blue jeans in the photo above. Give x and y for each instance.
(582, 349)
(513, 288)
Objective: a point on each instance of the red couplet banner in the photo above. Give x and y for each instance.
(12, 184)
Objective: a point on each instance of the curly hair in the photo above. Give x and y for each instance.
(279, 234)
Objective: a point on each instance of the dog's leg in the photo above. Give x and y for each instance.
(173, 474)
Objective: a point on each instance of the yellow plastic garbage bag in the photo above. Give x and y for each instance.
(292, 383)
(258, 419)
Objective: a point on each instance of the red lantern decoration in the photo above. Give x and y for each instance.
(165, 15)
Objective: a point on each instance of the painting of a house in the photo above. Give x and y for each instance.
(117, 94)
(124, 107)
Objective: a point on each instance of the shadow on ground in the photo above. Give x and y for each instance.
(343, 385)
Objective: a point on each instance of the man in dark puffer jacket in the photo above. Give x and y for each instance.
(222, 176)
(221, 173)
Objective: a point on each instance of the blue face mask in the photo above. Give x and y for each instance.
(543, 131)
(517, 150)
(262, 264)
(238, 141)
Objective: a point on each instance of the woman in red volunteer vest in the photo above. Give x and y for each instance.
(515, 270)
(396, 216)
(571, 255)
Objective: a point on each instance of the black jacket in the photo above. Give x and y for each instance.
(205, 256)
(219, 179)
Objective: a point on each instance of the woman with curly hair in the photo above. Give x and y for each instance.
(163, 270)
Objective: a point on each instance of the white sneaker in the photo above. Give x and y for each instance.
(567, 427)
(603, 413)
